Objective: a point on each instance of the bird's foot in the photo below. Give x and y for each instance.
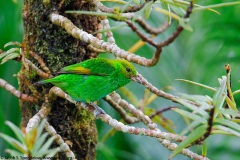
(98, 111)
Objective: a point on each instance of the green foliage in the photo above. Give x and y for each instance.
(11, 53)
(223, 122)
(31, 144)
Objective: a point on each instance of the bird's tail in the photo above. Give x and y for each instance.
(40, 83)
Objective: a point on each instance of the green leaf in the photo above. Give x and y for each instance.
(16, 131)
(12, 43)
(166, 6)
(13, 50)
(137, 14)
(115, 1)
(233, 113)
(191, 107)
(228, 123)
(236, 92)
(186, 113)
(168, 13)
(46, 146)
(53, 152)
(231, 104)
(148, 9)
(220, 95)
(16, 144)
(216, 6)
(14, 153)
(9, 57)
(136, 1)
(184, 23)
(178, 10)
(204, 149)
(41, 127)
(193, 125)
(39, 143)
(3, 55)
(125, 7)
(193, 136)
(197, 84)
(226, 129)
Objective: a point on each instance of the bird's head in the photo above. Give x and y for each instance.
(129, 70)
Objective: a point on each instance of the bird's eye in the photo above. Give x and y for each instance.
(128, 69)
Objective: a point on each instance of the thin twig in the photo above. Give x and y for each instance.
(40, 61)
(150, 29)
(90, 47)
(38, 71)
(16, 92)
(108, 33)
(142, 36)
(186, 152)
(112, 10)
(208, 130)
(160, 111)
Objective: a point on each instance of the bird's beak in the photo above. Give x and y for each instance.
(136, 79)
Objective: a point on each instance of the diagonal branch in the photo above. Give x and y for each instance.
(121, 111)
(88, 38)
(16, 92)
(112, 10)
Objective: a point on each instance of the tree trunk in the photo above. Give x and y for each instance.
(58, 49)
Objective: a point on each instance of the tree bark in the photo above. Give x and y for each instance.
(58, 49)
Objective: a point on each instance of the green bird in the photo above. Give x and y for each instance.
(93, 79)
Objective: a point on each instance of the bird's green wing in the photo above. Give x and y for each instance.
(96, 66)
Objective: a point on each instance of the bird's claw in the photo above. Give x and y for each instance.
(98, 111)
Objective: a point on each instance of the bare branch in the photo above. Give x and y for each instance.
(141, 131)
(150, 29)
(130, 108)
(156, 91)
(59, 140)
(142, 36)
(108, 33)
(38, 71)
(160, 111)
(41, 62)
(90, 47)
(121, 111)
(186, 152)
(112, 10)
(37, 118)
(16, 92)
(208, 130)
(88, 38)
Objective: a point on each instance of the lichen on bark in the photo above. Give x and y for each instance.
(58, 49)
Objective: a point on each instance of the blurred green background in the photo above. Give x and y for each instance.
(11, 29)
(198, 56)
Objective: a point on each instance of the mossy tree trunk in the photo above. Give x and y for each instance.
(58, 49)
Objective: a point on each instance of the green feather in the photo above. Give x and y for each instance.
(93, 79)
